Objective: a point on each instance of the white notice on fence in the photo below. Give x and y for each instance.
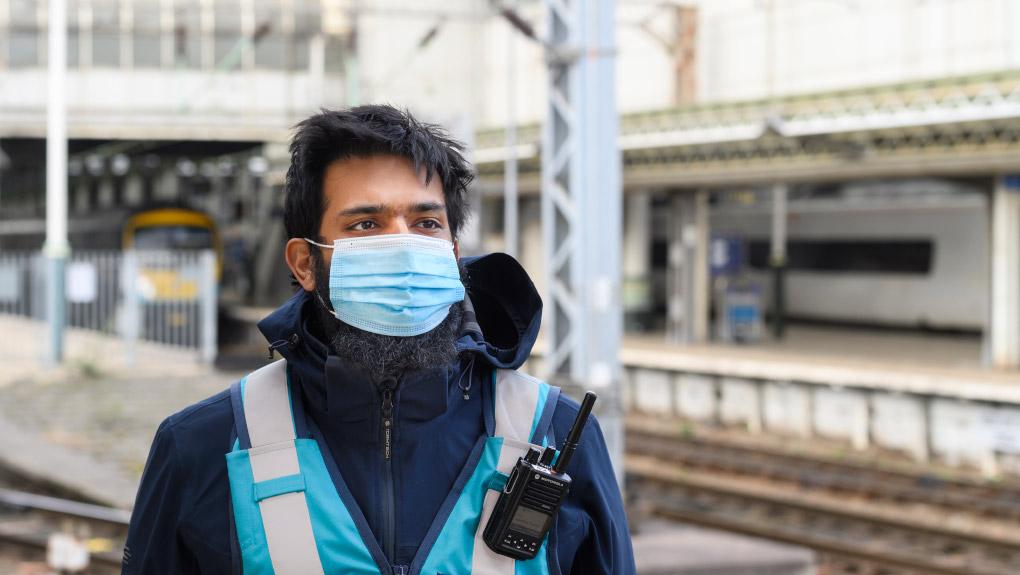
(81, 282)
(1003, 427)
(9, 291)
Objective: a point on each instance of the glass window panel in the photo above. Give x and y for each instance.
(23, 50)
(146, 35)
(73, 35)
(299, 53)
(73, 39)
(105, 33)
(23, 40)
(24, 12)
(307, 17)
(270, 44)
(227, 14)
(334, 57)
(188, 37)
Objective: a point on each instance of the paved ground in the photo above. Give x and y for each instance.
(670, 549)
(88, 424)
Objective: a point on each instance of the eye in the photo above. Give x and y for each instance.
(363, 226)
(431, 224)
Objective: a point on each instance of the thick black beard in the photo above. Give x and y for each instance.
(386, 356)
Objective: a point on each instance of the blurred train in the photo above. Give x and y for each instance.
(166, 239)
(165, 226)
(899, 254)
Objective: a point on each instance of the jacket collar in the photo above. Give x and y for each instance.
(344, 390)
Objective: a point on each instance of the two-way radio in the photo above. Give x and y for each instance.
(534, 491)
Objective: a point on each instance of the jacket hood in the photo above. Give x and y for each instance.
(506, 309)
(502, 316)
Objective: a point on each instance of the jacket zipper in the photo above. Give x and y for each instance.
(389, 513)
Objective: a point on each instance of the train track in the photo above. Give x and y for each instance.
(859, 519)
(27, 520)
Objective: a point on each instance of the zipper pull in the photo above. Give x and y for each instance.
(387, 421)
(401, 569)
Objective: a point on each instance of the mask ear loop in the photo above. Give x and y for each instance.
(318, 296)
(314, 243)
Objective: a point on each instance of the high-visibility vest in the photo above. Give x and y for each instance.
(294, 516)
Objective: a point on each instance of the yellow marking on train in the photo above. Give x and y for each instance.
(174, 217)
(167, 285)
(165, 217)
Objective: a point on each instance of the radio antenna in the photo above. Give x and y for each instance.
(574, 435)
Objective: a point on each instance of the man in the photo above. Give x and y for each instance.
(396, 412)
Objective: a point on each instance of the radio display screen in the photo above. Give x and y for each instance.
(529, 521)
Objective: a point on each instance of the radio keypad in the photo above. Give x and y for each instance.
(520, 542)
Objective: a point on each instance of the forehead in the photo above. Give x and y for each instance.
(379, 180)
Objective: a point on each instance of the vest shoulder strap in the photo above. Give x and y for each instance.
(265, 397)
(524, 406)
(278, 483)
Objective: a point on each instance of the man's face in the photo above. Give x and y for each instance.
(368, 196)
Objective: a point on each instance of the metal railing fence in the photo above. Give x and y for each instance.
(164, 297)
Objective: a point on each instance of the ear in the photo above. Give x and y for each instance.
(299, 260)
(456, 249)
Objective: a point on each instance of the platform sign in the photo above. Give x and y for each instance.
(82, 282)
(1011, 183)
(1003, 428)
(726, 255)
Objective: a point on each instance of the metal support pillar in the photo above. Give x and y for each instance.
(688, 277)
(637, 258)
(56, 248)
(777, 259)
(581, 208)
(1002, 338)
(510, 205)
(209, 296)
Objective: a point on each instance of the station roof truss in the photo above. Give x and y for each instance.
(962, 126)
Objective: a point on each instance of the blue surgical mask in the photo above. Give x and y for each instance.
(397, 284)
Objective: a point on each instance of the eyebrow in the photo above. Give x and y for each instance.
(428, 207)
(362, 210)
(379, 208)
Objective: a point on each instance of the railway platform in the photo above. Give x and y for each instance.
(924, 397)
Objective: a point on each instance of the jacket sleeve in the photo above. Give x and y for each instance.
(606, 547)
(153, 547)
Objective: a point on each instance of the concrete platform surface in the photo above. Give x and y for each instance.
(663, 548)
(87, 425)
(943, 365)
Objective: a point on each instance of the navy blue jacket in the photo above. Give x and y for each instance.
(181, 521)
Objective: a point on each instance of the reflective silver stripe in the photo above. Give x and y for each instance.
(516, 403)
(273, 454)
(267, 405)
(485, 561)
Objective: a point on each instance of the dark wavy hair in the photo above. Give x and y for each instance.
(366, 131)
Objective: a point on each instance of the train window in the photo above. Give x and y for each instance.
(870, 256)
(173, 238)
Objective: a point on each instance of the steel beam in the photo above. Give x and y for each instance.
(687, 281)
(1003, 333)
(581, 207)
(777, 259)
